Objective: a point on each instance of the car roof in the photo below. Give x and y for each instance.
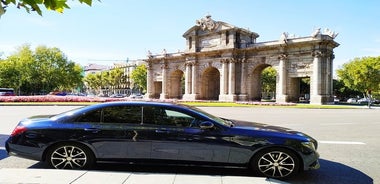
(133, 103)
(142, 103)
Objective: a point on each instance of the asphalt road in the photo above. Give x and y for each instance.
(348, 141)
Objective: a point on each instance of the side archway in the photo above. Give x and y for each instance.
(210, 88)
(176, 84)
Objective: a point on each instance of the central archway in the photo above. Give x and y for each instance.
(210, 84)
(255, 92)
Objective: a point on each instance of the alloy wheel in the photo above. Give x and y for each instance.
(276, 164)
(68, 157)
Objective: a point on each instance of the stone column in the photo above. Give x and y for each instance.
(243, 81)
(188, 79)
(191, 81)
(225, 77)
(332, 57)
(329, 94)
(231, 79)
(316, 80)
(223, 80)
(164, 93)
(150, 82)
(194, 82)
(221, 92)
(281, 95)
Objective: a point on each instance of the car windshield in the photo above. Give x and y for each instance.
(222, 121)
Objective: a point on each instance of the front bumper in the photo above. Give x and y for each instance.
(314, 165)
(311, 161)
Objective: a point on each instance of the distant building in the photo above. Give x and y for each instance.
(125, 83)
(95, 68)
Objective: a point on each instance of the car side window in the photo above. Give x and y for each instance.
(169, 117)
(114, 114)
(180, 119)
(92, 116)
(154, 115)
(122, 114)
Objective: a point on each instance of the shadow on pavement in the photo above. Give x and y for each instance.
(330, 172)
(3, 152)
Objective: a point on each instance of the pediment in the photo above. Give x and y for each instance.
(208, 26)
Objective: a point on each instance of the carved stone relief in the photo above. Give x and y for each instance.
(207, 23)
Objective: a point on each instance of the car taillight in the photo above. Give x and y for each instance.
(18, 130)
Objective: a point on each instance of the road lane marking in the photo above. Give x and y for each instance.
(341, 142)
(337, 124)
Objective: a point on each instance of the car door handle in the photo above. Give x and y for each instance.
(93, 130)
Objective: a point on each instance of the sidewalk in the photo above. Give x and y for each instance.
(47, 176)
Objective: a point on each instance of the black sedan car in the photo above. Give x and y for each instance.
(152, 132)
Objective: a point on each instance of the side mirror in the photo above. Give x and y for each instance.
(206, 125)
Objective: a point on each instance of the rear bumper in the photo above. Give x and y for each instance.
(32, 153)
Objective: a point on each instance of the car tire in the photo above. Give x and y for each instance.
(70, 156)
(278, 163)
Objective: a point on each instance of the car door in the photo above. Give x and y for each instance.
(162, 133)
(205, 145)
(178, 137)
(115, 132)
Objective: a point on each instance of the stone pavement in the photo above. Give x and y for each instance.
(47, 176)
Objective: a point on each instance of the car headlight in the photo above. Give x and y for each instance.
(308, 147)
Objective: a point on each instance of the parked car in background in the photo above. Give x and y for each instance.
(352, 100)
(58, 93)
(7, 92)
(364, 101)
(136, 96)
(336, 100)
(118, 95)
(151, 132)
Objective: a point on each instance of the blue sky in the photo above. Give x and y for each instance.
(121, 29)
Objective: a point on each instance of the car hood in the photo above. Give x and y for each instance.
(268, 130)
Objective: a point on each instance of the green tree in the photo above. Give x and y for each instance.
(139, 77)
(43, 70)
(14, 71)
(35, 5)
(92, 81)
(115, 78)
(341, 91)
(361, 74)
(110, 80)
(10, 74)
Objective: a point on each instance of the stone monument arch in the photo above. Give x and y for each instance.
(224, 62)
